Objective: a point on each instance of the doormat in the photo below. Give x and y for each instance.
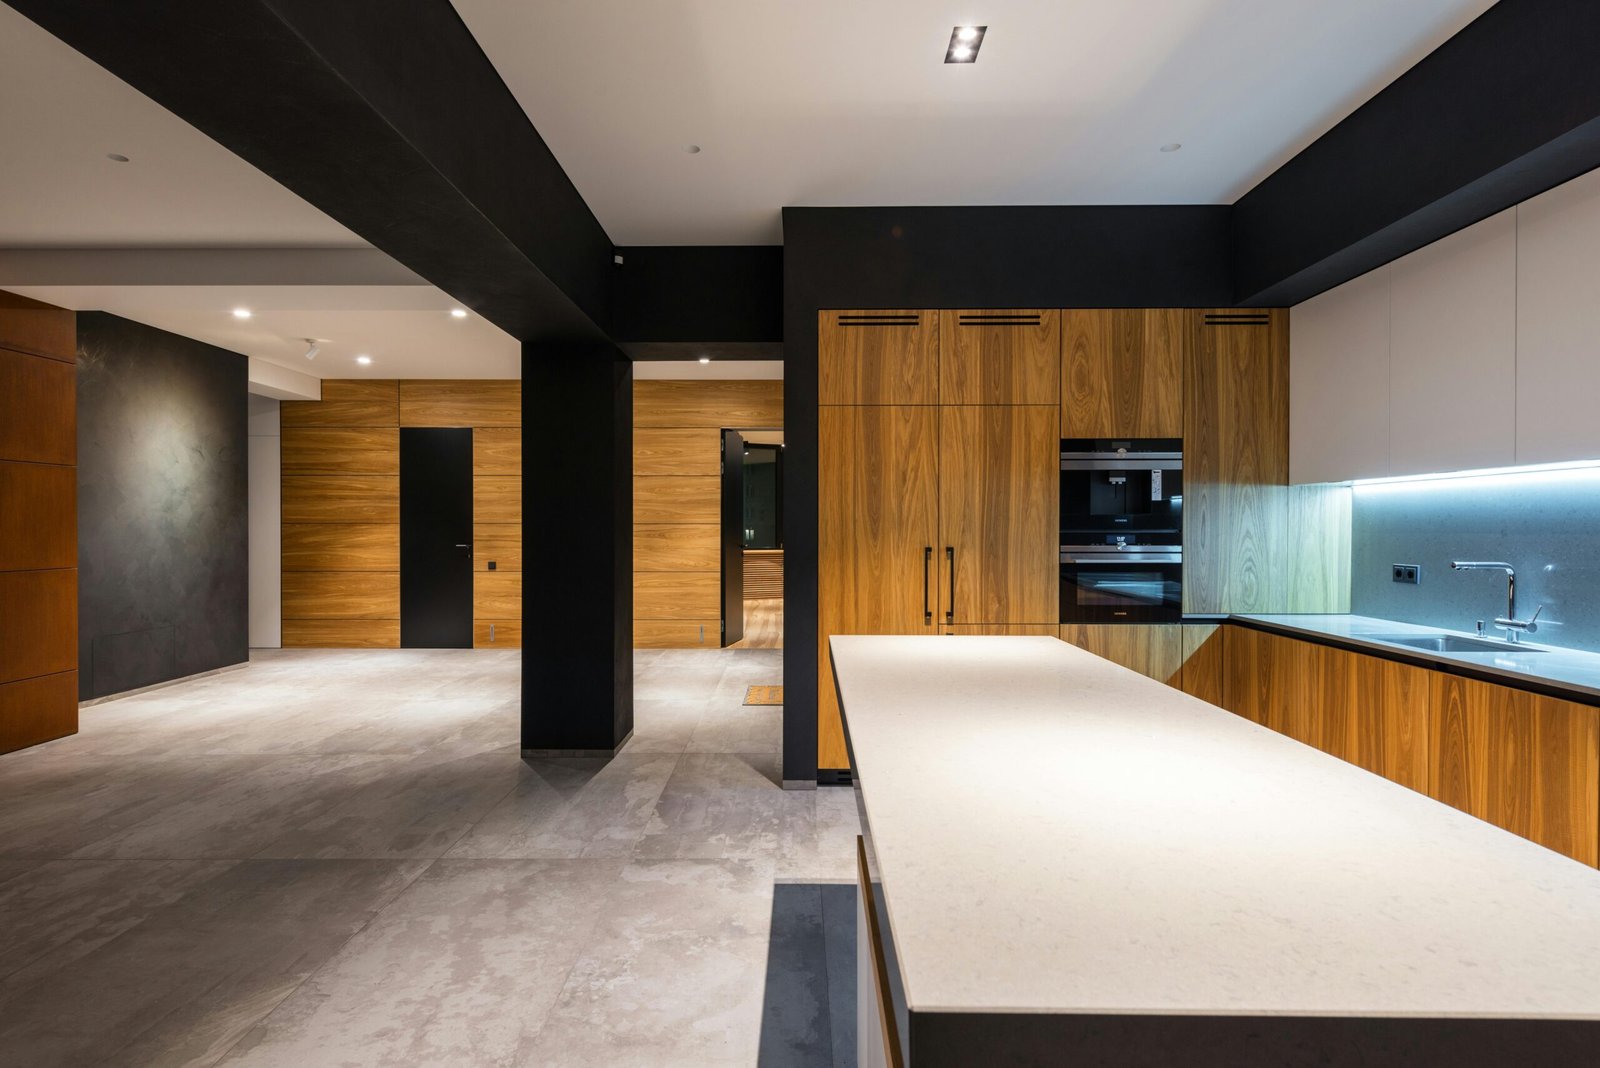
(764, 695)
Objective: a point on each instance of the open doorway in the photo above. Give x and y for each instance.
(752, 538)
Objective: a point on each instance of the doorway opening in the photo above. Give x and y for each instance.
(752, 538)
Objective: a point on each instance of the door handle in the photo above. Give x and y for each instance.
(927, 564)
(950, 609)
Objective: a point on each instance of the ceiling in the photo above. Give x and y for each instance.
(840, 103)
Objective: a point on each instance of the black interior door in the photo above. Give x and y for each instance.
(435, 538)
(732, 537)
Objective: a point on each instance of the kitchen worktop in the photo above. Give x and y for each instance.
(1058, 835)
(1572, 672)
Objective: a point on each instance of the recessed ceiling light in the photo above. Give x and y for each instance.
(964, 44)
(117, 156)
(692, 149)
(458, 313)
(1173, 147)
(705, 359)
(241, 313)
(363, 360)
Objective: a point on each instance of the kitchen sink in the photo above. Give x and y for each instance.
(1451, 643)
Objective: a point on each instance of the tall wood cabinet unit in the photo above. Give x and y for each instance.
(1122, 372)
(938, 477)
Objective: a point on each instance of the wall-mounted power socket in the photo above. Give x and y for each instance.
(1410, 574)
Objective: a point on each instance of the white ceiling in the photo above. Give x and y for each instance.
(838, 102)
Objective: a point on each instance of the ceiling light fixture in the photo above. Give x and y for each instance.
(312, 347)
(693, 150)
(116, 157)
(363, 360)
(241, 313)
(964, 44)
(705, 359)
(1173, 147)
(458, 313)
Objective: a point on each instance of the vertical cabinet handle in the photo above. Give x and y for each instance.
(950, 608)
(927, 563)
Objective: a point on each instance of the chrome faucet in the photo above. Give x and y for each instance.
(1509, 622)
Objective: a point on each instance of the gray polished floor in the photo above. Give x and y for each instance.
(341, 858)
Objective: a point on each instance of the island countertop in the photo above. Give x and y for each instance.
(1056, 834)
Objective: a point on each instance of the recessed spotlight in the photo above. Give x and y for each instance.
(705, 359)
(458, 313)
(241, 313)
(117, 157)
(363, 360)
(964, 44)
(1173, 147)
(693, 150)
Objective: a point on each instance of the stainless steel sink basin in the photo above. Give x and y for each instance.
(1451, 643)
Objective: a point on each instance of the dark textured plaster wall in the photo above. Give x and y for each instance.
(163, 567)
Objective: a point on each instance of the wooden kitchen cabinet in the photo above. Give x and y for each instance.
(999, 481)
(1153, 649)
(1122, 372)
(878, 523)
(1203, 661)
(1519, 760)
(1000, 356)
(877, 357)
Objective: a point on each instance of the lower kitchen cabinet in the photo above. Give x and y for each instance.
(1154, 649)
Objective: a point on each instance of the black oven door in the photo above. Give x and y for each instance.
(1121, 587)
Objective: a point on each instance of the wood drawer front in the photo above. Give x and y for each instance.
(995, 356)
(38, 409)
(496, 499)
(677, 451)
(341, 499)
(676, 547)
(878, 357)
(677, 595)
(677, 500)
(316, 450)
(341, 595)
(38, 516)
(341, 547)
(497, 595)
(460, 402)
(37, 710)
(506, 634)
(500, 542)
(497, 451)
(346, 402)
(38, 623)
(703, 633)
(341, 634)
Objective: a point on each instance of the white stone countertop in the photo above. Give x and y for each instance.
(1057, 834)
(1525, 662)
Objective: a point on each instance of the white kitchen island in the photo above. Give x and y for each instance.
(1074, 864)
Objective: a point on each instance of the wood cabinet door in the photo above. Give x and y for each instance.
(878, 524)
(877, 357)
(999, 522)
(1153, 649)
(1203, 661)
(1122, 372)
(1528, 763)
(1000, 357)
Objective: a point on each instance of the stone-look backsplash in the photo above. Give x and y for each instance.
(1546, 524)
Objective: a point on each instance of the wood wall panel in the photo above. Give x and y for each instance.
(497, 595)
(1122, 372)
(461, 402)
(341, 633)
(878, 357)
(497, 450)
(38, 516)
(499, 542)
(38, 408)
(677, 451)
(708, 403)
(677, 595)
(341, 499)
(763, 574)
(496, 499)
(993, 356)
(676, 547)
(346, 402)
(39, 623)
(703, 633)
(339, 450)
(341, 547)
(677, 500)
(345, 595)
(37, 710)
(1316, 548)
(497, 634)
(32, 326)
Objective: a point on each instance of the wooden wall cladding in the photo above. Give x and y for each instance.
(341, 499)
(341, 595)
(500, 543)
(38, 522)
(497, 450)
(340, 450)
(677, 595)
(708, 403)
(496, 499)
(497, 633)
(676, 547)
(497, 595)
(763, 574)
(346, 402)
(703, 633)
(677, 451)
(434, 402)
(1122, 372)
(341, 634)
(878, 357)
(995, 356)
(341, 547)
(677, 500)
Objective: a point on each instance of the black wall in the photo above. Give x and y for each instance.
(672, 295)
(163, 583)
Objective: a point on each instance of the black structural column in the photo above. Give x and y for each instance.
(577, 544)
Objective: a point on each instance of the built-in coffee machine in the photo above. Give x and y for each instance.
(1121, 530)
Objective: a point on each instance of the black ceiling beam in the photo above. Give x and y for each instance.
(675, 302)
(386, 115)
(1505, 109)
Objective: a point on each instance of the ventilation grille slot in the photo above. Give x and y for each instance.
(1000, 319)
(1243, 318)
(886, 319)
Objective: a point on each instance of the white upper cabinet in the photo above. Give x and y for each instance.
(1339, 382)
(1558, 324)
(1453, 351)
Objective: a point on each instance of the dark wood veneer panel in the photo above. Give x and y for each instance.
(38, 408)
(37, 710)
(38, 516)
(28, 325)
(39, 623)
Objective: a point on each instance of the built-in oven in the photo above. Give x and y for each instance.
(1121, 530)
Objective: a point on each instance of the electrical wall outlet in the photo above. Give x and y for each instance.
(1410, 574)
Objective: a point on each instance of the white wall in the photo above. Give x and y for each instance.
(266, 518)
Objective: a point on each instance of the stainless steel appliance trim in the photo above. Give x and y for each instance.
(1131, 463)
(1130, 455)
(1068, 557)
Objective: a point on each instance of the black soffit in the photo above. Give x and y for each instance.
(386, 115)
